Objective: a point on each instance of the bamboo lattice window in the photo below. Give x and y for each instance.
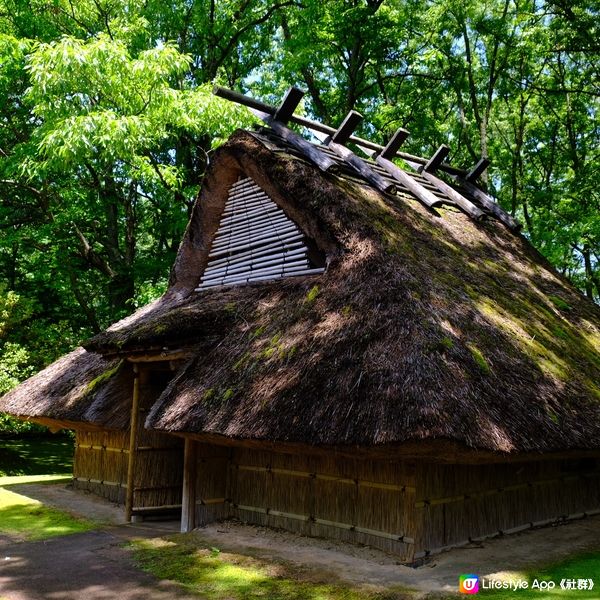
(256, 241)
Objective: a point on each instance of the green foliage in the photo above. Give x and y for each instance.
(36, 455)
(108, 124)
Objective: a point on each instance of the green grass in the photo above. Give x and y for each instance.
(584, 566)
(29, 519)
(215, 575)
(35, 460)
(49, 479)
(36, 456)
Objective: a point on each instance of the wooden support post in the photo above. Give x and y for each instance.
(133, 427)
(437, 159)
(394, 144)
(188, 501)
(478, 169)
(346, 129)
(288, 106)
(422, 193)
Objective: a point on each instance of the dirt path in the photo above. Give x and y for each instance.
(93, 566)
(496, 557)
(88, 566)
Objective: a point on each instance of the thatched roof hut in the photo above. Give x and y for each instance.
(410, 333)
(426, 325)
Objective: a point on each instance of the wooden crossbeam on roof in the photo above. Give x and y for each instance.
(391, 148)
(361, 167)
(312, 152)
(477, 170)
(458, 199)
(490, 205)
(422, 193)
(346, 129)
(316, 126)
(289, 104)
(434, 163)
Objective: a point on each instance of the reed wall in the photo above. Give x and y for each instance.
(350, 500)
(409, 508)
(100, 464)
(101, 457)
(459, 503)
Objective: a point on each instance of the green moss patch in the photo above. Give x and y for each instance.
(479, 358)
(92, 385)
(214, 575)
(560, 303)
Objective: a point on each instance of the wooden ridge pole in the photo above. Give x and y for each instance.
(238, 98)
(133, 426)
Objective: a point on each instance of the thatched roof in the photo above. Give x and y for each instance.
(426, 325)
(81, 387)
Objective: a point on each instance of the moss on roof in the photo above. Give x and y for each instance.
(425, 326)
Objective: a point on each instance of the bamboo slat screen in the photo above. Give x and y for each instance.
(256, 241)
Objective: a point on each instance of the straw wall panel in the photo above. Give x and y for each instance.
(213, 463)
(100, 464)
(456, 503)
(159, 457)
(349, 500)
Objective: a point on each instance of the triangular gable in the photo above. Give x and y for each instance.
(255, 241)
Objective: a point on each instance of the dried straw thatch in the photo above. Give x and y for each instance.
(81, 387)
(426, 325)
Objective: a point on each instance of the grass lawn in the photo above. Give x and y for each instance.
(215, 575)
(585, 566)
(29, 519)
(34, 460)
(36, 456)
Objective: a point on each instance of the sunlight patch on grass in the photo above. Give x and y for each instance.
(215, 575)
(27, 518)
(18, 479)
(582, 567)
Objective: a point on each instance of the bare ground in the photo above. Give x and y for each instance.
(354, 564)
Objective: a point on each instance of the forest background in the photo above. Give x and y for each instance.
(107, 124)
